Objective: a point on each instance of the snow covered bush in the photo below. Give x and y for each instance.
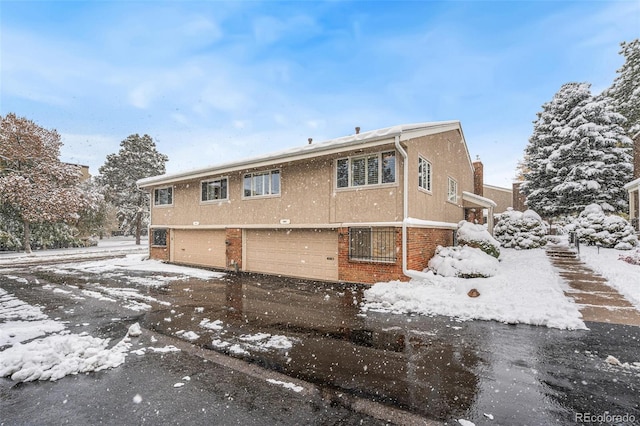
(463, 262)
(632, 258)
(592, 227)
(515, 229)
(470, 234)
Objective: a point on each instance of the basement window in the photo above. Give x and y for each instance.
(160, 237)
(372, 244)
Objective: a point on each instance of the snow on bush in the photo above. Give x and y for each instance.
(592, 227)
(515, 229)
(463, 262)
(470, 234)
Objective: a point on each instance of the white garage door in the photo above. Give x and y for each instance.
(196, 247)
(293, 252)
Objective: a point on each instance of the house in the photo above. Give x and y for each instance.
(633, 187)
(503, 197)
(368, 207)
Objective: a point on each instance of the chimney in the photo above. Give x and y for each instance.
(478, 177)
(310, 140)
(357, 130)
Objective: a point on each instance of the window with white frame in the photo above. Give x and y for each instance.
(452, 191)
(213, 190)
(371, 169)
(424, 174)
(163, 196)
(262, 184)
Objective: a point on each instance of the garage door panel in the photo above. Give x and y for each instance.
(302, 253)
(196, 247)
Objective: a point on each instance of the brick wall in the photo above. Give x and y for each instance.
(518, 198)
(421, 246)
(234, 247)
(157, 252)
(478, 178)
(367, 272)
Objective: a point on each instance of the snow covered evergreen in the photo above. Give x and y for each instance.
(473, 235)
(625, 89)
(593, 227)
(515, 229)
(578, 155)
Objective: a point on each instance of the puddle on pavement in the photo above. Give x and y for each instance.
(409, 362)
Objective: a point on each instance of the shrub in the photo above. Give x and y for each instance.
(593, 227)
(520, 230)
(477, 236)
(463, 262)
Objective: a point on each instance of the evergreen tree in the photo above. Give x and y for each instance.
(578, 154)
(35, 187)
(595, 160)
(137, 159)
(625, 90)
(540, 167)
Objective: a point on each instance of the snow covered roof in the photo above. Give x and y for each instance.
(634, 184)
(345, 143)
(477, 199)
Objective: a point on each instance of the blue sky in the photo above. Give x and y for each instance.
(216, 81)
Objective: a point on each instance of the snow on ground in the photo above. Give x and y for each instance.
(525, 290)
(621, 275)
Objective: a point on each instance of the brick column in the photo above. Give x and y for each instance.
(234, 248)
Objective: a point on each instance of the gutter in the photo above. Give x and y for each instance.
(405, 211)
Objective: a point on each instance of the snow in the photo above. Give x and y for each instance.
(525, 290)
(463, 261)
(620, 275)
(286, 385)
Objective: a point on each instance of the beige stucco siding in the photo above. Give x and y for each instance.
(308, 195)
(502, 196)
(448, 156)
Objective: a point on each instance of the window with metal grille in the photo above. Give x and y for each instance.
(372, 244)
(160, 237)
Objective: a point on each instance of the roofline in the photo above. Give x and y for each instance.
(632, 185)
(499, 188)
(333, 146)
(478, 199)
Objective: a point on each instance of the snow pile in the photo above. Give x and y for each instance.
(594, 227)
(59, 355)
(515, 229)
(525, 290)
(463, 262)
(477, 236)
(632, 257)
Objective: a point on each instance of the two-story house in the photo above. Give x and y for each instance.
(365, 208)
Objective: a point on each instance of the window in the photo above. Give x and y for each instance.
(262, 184)
(163, 196)
(452, 191)
(160, 237)
(424, 174)
(213, 190)
(373, 169)
(372, 244)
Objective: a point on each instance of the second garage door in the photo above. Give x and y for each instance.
(301, 253)
(199, 247)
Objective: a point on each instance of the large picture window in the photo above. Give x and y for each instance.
(213, 190)
(262, 184)
(163, 196)
(372, 169)
(424, 174)
(372, 244)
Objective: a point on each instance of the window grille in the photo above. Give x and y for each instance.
(372, 244)
(160, 237)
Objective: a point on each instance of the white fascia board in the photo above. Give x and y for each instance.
(477, 199)
(634, 184)
(361, 140)
(420, 223)
(498, 188)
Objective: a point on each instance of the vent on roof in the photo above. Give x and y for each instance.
(310, 140)
(357, 130)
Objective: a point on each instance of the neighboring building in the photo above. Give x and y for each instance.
(367, 207)
(503, 197)
(633, 187)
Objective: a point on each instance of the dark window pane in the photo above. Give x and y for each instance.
(372, 170)
(358, 172)
(388, 167)
(275, 182)
(342, 177)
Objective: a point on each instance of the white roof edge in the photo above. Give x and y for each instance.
(344, 143)
(483, 201)
(632, 184)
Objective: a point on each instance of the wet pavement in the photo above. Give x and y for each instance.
(435, 368)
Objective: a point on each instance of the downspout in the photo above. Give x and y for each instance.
(405, 211)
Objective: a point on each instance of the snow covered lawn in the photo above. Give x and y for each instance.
(621, 275)
(526, 290)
